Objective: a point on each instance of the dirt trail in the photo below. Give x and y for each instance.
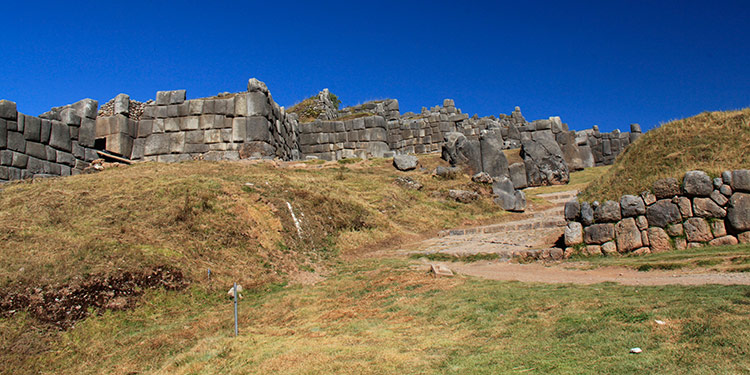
(539, 230)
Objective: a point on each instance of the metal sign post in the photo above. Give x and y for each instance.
(236, 331)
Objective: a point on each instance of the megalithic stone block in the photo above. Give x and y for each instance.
(157, 144)
(8, 110)
(120, 143)
(32, 129)
(70, 117)
(177, 96)
(3, 134)
(122, 104)
(87, 132)
(60, 137)
(87, 108)
(47, 130)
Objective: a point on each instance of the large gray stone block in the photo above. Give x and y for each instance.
(8, 110)
(60, 137)
(740, 180)
(86, 108)
(572, 210)
(663, 212)
(738, 212)
(120, 143)
(257, 104)
(32, 129)
(632, 205)
(36, 150)
(608, 212)
(20, 160)
(157, 144)
(518, 175)
(697, 184)
(163, 97)
(628, 235)
(46, 130)
(122, 104)
(258, 129)
(697, 230)
(494, 161)
(706, 207)
(598, 234)
(69, 116)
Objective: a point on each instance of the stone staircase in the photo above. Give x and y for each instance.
(532, 235)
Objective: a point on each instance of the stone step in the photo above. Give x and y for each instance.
(507, 227)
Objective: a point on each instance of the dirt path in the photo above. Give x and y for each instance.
(561, 273)
(537, 231)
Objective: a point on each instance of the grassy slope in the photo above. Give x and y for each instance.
(711, 141)
(378, 316)
(202, 215)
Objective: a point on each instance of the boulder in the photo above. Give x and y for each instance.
(628, 235)
(744, 237)
(573, 234)
(405, 162)
(608, 212)
(408, 183)
(632, 205)
(666, 188)
(738, 211)
(726, 190)
(544, 161)
(706, 207)
(518, 175)
(740, 180)
(508, 197)
(493, 159)
(658, 240)
(482, 178)
(697, 184)
(663, 212)
(447, 173)
(458, 150)
(599, 233)
(463, 196)
(592, 250)
(572, 211)
(697, 230)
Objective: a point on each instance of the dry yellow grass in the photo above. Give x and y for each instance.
(711, 141)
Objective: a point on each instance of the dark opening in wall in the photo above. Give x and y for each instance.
(100, 144)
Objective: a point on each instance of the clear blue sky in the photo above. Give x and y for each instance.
(599, 62)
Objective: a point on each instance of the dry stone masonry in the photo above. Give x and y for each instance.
(250, 124)
(671, 216)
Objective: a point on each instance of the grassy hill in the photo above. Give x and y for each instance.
(711, 141)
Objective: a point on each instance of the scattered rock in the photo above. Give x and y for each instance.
(636, 351)
(448, 173)
(439, 270)
(463, 196)
(508, 197)
(482, 178)
(408, 183)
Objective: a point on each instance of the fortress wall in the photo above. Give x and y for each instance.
(61, 144)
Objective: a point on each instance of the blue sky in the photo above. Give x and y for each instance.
(599, 62)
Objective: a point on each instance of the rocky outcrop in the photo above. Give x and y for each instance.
(544, 161)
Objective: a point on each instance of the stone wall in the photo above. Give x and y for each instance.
(250, 124)
(61, 144)
(226, 127)
(361, 137)
(698, 211)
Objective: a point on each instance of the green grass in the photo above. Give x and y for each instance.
(711, 141)
(721, 258)
(379, 317)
